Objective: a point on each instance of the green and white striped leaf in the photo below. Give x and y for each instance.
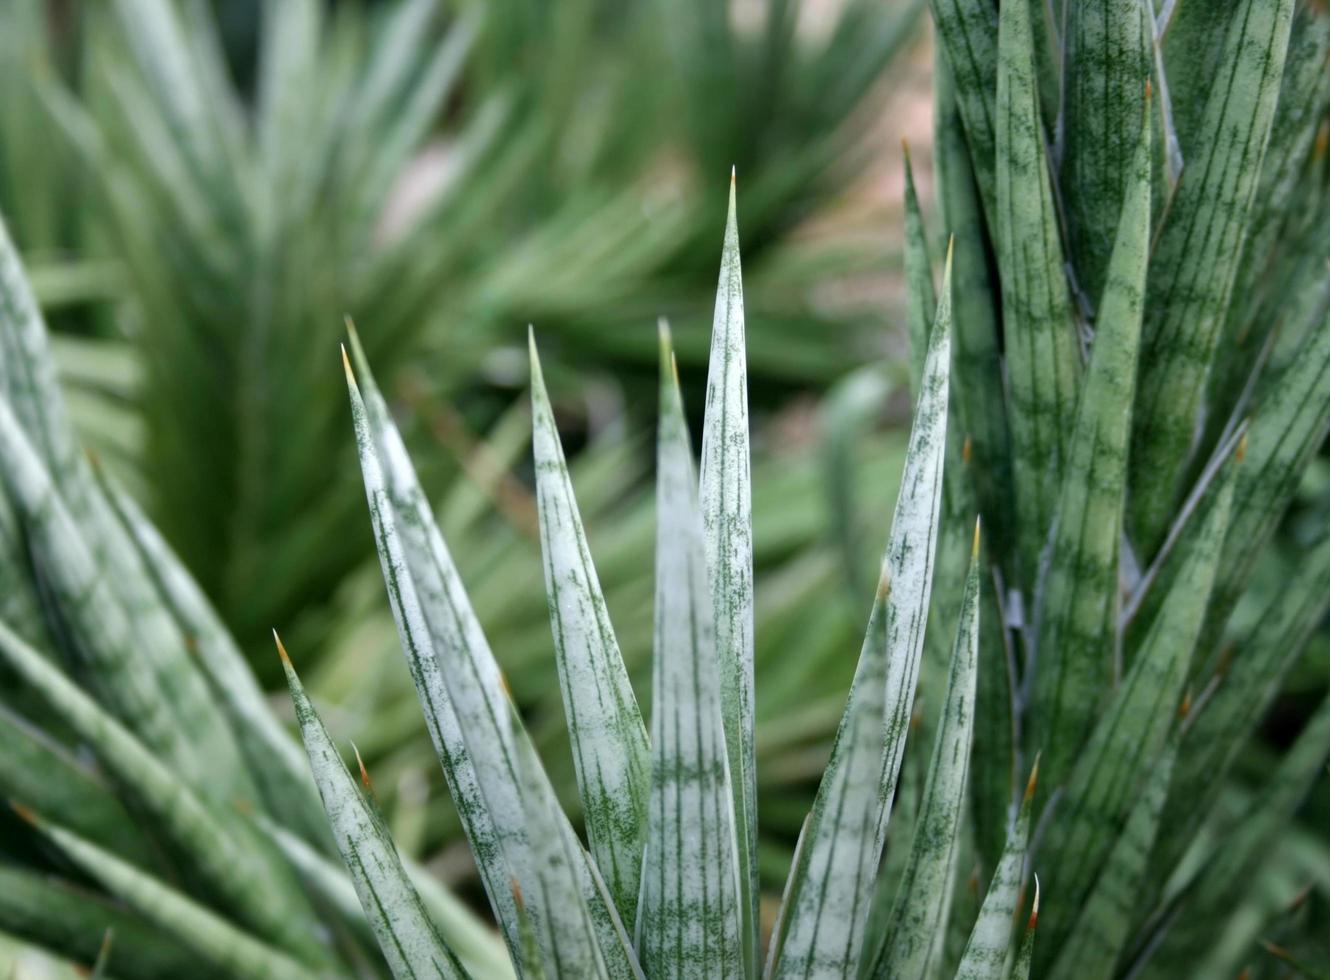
(1132, 730)
(919, 914)
(1043, 360)
(920, 296)
(1198, 257)
(1104, 924)
(725, 495)
(1076, 612)
(610, 750)
(1109, 60)
(406, 935)
(989, 946)
(253, 888)
(831, 884)
(967, 32)
(458, 681)
(689, 923)
(221, 945)
(1020, 969)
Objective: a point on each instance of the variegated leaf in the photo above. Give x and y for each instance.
(967, 33)
(1020, 969)
(610, 750)
(689, 921)
(406, 935)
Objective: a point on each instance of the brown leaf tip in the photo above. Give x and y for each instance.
(1149, 89)
(967, 450)
(364, 773)
(517, 893)
(1184, 709)
(1034, 912)
(1241, 453)
(1033, 781)
(281, 650)
(24, 813)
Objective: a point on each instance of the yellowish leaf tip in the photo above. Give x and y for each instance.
(905, 150)
(1241, 452)
(951, 247)
(1033, 781)
(346, 366)
(364, 773)
(24, 813)
(974, 547)
(1184, 709)
(281, 650)
(1149, 90)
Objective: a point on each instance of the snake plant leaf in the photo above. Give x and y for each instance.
(967, 32)
(405, 933)
(1043, 359)
(725, 495)
(907, 565)
(1132, 729)
(689, 923)
(213, 939)
(610, 750)
(978, 395)
(919, 913)
(529, 962)
(1109, 56)
(986, 952)
(831, 883)
(47, 911)
(270, 752)
(920, 296)
(1020, 969)
(1076, 610)
(1248, 684)
(457, 679)
(1198, 256)
(255, 890)
(49, 778)
(1105, 921)
(1231, 864)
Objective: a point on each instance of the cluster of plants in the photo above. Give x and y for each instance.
(1121, 387)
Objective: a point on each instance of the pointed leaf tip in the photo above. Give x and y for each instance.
(24, 813)
(1034, 910)
(281, 650)
(974, 547)
(1033, 780)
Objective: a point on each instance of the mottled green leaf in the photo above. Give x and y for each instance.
(920, 296)
(727, 518)
(1198, 256)
(689, 922)
(967, 32)
(1043, 359)
(1076, 608)
(919, 913)
(610, 750)
(986, 953)
(410, 943)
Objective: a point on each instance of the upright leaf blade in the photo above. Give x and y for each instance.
(688, 921)
(967, 33)
(610, 750)
(1043, 362)
(919, 913)
(727, 518)
(405, 933)
(1076, 612)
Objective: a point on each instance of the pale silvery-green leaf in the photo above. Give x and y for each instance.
(201, 931)
(1043, 360)
(1076, 614)
(919, 913)
(466, 706)
(986, 953)
(727, 516)
(610, 750)
(822, 925)
(1198, 256)
(406, 935)
(1132, 730)
(257, 891)
(1104, 924)
(688, 918)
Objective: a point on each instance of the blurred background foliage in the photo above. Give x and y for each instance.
(203, 191)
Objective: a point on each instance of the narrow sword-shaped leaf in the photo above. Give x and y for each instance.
(918, 915)
(1043, 360)
(466, 705)
(255, 890)
(1131, 732)
(967, 32)
(986, 953)
(920, 296)
(406, 935)
(831, 883)
(1020, 970)
(725, 495)
(218, 942)
(1104, 924)
(1076, 610)
(609, 740)
(688, 919)
(1108, 62)
(1198, 256)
